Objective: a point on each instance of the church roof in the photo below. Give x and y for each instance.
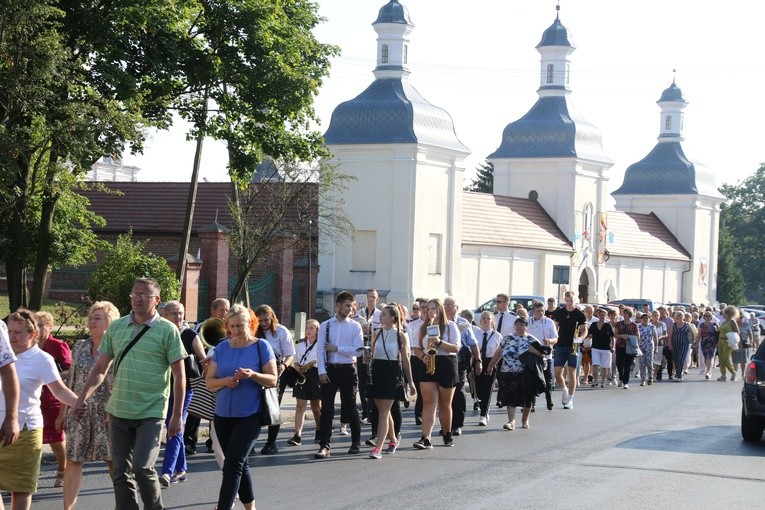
(556, 35)
(553, 128)
(496, 220)
(393, 12)
(672, 93)
(391, 110)
(642, 236)
(667, 171)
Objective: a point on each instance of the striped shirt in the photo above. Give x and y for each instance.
(142, 382)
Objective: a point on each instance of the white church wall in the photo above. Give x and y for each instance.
(658, 280)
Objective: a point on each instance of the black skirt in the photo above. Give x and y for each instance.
(511, 391)
(446, 371)
(385, 379)
(311, 389)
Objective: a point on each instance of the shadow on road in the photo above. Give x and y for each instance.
(705, 440)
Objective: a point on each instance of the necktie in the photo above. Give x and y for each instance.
(483, 346)
(499, 326)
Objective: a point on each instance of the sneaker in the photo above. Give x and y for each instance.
(392, 447)
(354, 449)
(190, 450)
(483, 422)
(569, 403)
(448, 440)
(344, 430)
(509, 425)
(371, 441)
(476, 406)
(722, 378)
(650, 382)
(525, 425)
(323, 453)
(707, 377)
(619, 384)
(179, 478)
(642, 383)
(423, 444)
(626, 386)
(164, 480)
(295, 441)
(269, 449)
(732, 379)
(375, 454)
(364, 420)
(457, 431)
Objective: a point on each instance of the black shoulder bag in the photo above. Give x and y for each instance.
(127, 349)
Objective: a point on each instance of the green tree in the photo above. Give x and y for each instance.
(484, 179)
(730, 280)
(744, 220)
(125, 261)
(83, 79)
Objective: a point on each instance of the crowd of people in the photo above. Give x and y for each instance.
(134, 376)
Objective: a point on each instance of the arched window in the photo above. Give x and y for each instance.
(406, 53)
(668, 123)
(550, 72)
(384, 56)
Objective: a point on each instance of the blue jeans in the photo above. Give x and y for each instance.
(135, 448)
(236, 437)
(174, 460)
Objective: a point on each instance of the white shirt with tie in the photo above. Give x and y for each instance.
(508, 323)
(346, 335)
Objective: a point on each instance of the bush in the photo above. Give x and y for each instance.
(124, 262)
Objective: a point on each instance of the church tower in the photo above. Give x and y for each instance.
(553, 155)
(406, 199)
(682, 194)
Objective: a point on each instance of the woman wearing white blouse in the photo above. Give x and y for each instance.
(437, 388)
(310, 390)
(390, 360)
(35, 368)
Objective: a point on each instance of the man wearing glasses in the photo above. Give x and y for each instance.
(147, 349)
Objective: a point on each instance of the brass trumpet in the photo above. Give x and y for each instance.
(430, 366)
(301, 370)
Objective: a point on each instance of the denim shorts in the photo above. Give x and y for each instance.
(566, 356)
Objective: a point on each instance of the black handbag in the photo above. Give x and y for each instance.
(270, 414)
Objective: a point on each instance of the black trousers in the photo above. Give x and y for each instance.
(415, 375)
(624, 364)
(273, 430)
(236, 437)
(366, 402)
(484, 384)
(345, 379)
(191, 431)
(458, 399)
(548, 381)
(669, 361)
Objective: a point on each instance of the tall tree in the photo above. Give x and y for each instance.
(744, 219)
(82, 79)
(484, 179)
(730, 280)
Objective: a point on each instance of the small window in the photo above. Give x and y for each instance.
(434, 254)
(406, 54)
(364, 251)
(384, 57)
(668, 123)
(550, 72)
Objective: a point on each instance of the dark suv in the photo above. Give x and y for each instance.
(753, 397)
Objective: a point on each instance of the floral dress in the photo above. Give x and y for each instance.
(511, 374)
(709, 334)
(88, 436)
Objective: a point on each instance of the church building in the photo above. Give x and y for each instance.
(419, 234)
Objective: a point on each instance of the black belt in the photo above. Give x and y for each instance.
(339, 365)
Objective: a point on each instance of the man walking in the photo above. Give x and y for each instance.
(571, 328)
(145, 349)
(340, 341)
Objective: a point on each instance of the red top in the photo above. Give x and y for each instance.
(62, 355)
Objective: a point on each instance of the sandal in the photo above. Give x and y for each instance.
(59, 482)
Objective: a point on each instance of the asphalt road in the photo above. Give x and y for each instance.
(670, 445)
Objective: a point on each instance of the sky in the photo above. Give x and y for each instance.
(477, 60)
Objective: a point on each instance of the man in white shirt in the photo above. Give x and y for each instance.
(340, 341)
(371, 314)
(543, 329)
(504, 319)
